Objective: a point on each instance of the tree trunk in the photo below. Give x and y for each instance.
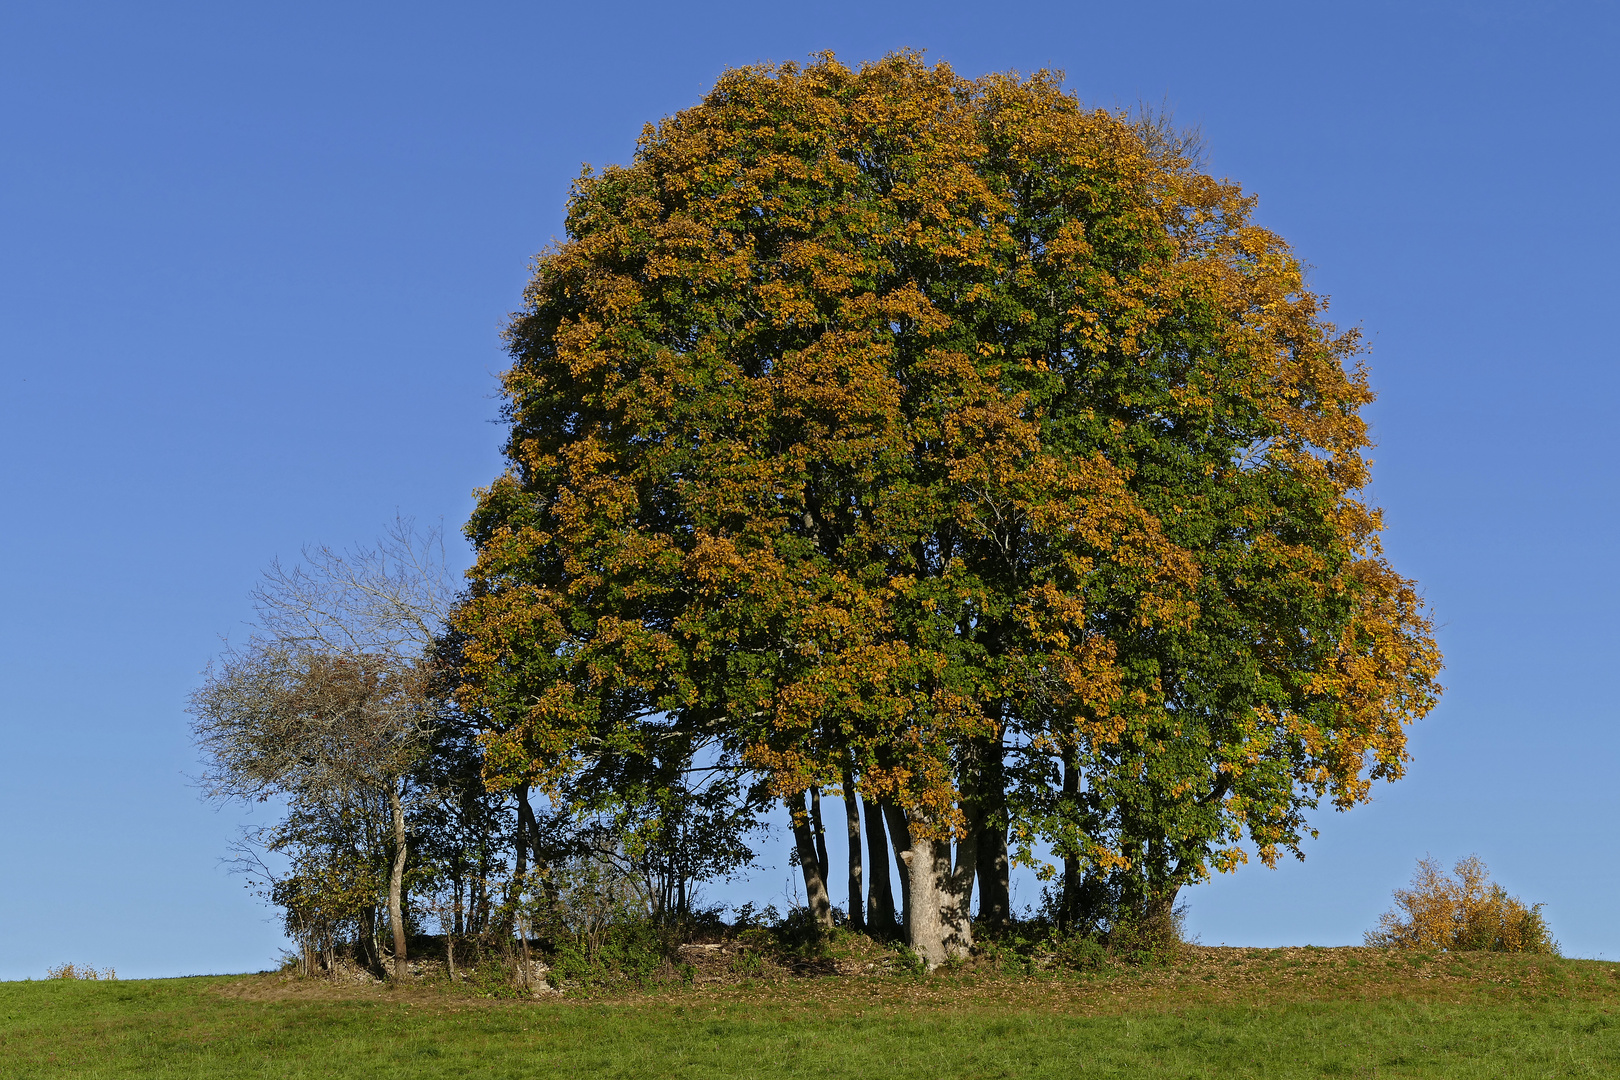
(1162, 913)
(994, 873)
(528, 968)
(821, 833)
(852, 822)
(939, 895)
(1069, 901)
(523, 837)
(370, 954)
(459, 923)
(900, 840)
(995, 899)
(520, 861)
(396, 883)
(879, 896)
(815, 878)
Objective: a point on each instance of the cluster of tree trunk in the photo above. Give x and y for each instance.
(936, 877)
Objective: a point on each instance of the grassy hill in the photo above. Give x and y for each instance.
(1303, 1012)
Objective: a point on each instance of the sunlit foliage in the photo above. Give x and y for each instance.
(1461, 910)
(955, 438)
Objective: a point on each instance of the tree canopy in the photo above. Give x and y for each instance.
(946, 439)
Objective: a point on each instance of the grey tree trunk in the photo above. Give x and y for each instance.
(396, 882)
(938, 895)
(852, 823)
(879, 895)
(815, 878)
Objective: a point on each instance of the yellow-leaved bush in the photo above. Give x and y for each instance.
(1464, 910)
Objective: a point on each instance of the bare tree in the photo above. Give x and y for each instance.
(331, 694)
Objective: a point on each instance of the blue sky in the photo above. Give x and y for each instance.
(254, 260)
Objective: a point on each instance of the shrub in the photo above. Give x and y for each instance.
(1157, 936)
(800, 936)
(494, 975)
(630, 951)
(1464, 910)
(1079, 952)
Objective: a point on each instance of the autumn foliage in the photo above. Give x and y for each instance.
(946, 443)
(1463, 910)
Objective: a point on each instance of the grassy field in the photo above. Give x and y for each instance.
(1219, 1013)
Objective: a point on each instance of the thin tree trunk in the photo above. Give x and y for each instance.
(528, 968)
(815, 878)
(900, 841)
(526, 818)
(520, 861)
(820, 830)
(510, 919)
(994, 873)
(1068, 905)
(1162, 911)
(966, 868)
(995, 899)
(681, 903)
(366, 946)
(879, 895)
(396, 883)
(852, 821)
(460, 927)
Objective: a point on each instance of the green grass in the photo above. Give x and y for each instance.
(1228, 1013)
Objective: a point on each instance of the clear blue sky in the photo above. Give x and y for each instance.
(254, 260)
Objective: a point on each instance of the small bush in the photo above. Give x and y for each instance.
(493, 975)
(1079, 952)
(1158, 937)
(71, 971)
(1038, 943)
(1464, 910)
(749, 965)
(905, 962)
(798, 936)
(628, 951)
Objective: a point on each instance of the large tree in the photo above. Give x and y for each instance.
(948, 441)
